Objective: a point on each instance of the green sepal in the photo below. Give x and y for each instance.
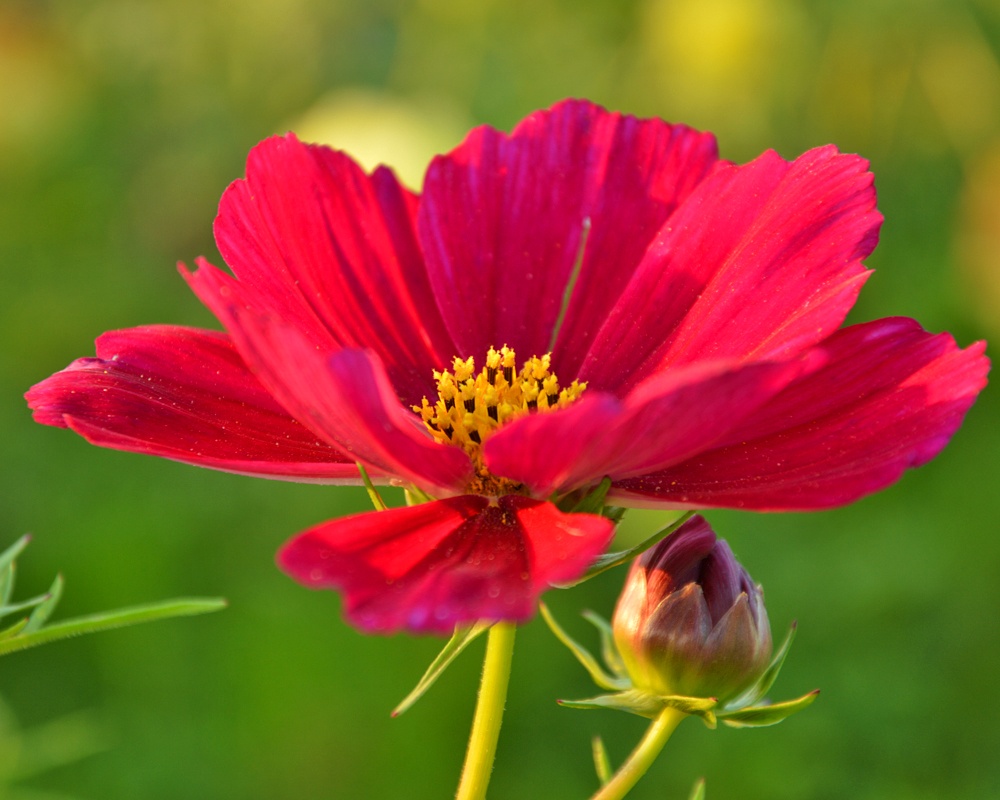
(759, 690)
(593, 501)
(463, 636)
(44, 609)
(698, 790)
(608, 560)
(762, 716)
(614, 513)
(105, 621)
(373, 494)
(633, 701)
(609, 650)
(602, 763)
(696, 706)
(644, 704)
(597, 673)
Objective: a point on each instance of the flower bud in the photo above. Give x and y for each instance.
(690, 621)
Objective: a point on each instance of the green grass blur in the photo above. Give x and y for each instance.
(122, 121)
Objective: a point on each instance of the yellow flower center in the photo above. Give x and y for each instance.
(471, 405)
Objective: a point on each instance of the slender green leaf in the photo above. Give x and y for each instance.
(111, 619)
(44, 610)
(698, 790)
(373, 494)
(460, 639)
(7, 568)
(602, 764)
(7, 556)
(24, 605)
(762, 716)
(12, 631)
(609, 560)
(609, 650)
(597, 674)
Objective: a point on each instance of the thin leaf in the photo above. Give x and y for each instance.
(24, 605)
(602, 764)
(12, 631)
(373, 494)
(609, 560)
(41, 614)
(460, 639)
(7, 568)
(597, 674)
(698, 790)
(7, 556)
(107, 620)
(593, 501)
(609, 650)
(762, 716)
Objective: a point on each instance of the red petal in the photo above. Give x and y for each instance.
(761, 262)
(333, 252)
(667, 419)
(345, 397)
(501, 218)
(429, 567)
(184, 394)
(889, 397)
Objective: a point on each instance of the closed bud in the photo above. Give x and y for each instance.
(690, 621)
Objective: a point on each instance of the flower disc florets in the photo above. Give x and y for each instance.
(471, 405)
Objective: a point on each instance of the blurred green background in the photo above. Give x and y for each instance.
(121, 122)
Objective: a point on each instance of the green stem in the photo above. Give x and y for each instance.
(642, 757)
(489, 713)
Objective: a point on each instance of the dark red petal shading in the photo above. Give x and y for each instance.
(345, 396)
(760, 262)
(668, 418)
(429, 567)
(333, 252)
(501, 218)
(889, 397)
(184, 394)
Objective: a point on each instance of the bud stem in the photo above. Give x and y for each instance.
(642, 757)
(489, 713)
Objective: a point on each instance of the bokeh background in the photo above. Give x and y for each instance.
(122, 121)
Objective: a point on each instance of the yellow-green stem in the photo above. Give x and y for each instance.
(489, 713)
(642, 758)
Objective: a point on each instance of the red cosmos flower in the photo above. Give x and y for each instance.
(697, 362)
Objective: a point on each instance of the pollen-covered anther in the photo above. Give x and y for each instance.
(471, 405)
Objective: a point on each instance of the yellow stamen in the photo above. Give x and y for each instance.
(471, 406)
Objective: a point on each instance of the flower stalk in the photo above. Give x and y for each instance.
(489, 713)
(642, 758)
